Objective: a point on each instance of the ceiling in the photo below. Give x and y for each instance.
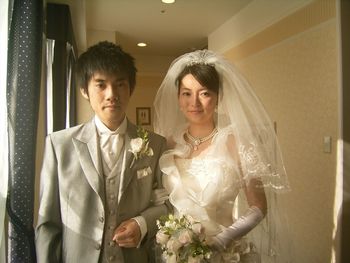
(168, 29)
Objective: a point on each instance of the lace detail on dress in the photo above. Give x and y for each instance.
(254, 164)
(256, 167)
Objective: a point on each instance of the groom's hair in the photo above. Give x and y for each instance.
(105, 57)
(205, 74)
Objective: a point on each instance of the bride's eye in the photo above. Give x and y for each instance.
(205, 94)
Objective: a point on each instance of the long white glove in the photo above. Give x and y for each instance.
(238, 229)
(159, 196)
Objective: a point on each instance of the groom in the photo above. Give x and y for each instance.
(98, 178)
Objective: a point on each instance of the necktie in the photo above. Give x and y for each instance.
(111, 145)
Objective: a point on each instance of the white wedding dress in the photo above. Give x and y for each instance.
(206, 187)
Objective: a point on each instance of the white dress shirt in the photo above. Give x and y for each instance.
(111, 142)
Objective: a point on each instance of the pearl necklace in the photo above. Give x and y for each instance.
(195, 142)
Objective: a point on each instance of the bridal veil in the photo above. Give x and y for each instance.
(240, 110)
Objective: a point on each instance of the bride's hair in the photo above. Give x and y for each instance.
(205, 74)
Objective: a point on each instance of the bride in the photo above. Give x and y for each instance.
(224, 167)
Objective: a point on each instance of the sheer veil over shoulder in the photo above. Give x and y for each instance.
(244, 130)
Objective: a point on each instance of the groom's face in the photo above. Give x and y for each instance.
(109, 95)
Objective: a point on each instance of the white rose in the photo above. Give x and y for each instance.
(162, 238)
(136, 145)
(173, 245)
(185, 237)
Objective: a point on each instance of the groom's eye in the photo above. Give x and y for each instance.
(99, 85)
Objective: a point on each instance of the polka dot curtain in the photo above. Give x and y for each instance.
(24, 75)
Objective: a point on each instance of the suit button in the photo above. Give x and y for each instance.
(111, 243)
(112, 212)
(111, 258)
(112, 197)
(101, 219)
(112, 181)
(98, 246)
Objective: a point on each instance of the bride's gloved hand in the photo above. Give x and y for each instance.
(159, 196)
(238, 229)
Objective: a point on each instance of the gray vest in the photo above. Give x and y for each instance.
(110, 251)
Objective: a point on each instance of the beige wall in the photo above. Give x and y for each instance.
(293, 67)
(143, 96)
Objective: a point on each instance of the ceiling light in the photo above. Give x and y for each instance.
(141, 44)
(168, 1)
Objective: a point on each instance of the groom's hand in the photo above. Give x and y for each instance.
(127, 234)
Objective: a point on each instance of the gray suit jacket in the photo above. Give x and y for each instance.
(72, 201)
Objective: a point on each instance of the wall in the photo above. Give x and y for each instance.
(77, 9)
(143, 96)
(293, 66)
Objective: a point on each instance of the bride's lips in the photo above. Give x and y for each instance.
(195, 111)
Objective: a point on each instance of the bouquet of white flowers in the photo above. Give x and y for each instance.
(182, 240)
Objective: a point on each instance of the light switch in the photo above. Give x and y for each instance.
(327, 144)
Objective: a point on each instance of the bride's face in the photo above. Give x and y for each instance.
(196, 101)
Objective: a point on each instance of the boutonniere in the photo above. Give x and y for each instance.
(140, 145)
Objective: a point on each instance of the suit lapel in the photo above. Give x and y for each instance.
(127, 173)
(86, 145)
